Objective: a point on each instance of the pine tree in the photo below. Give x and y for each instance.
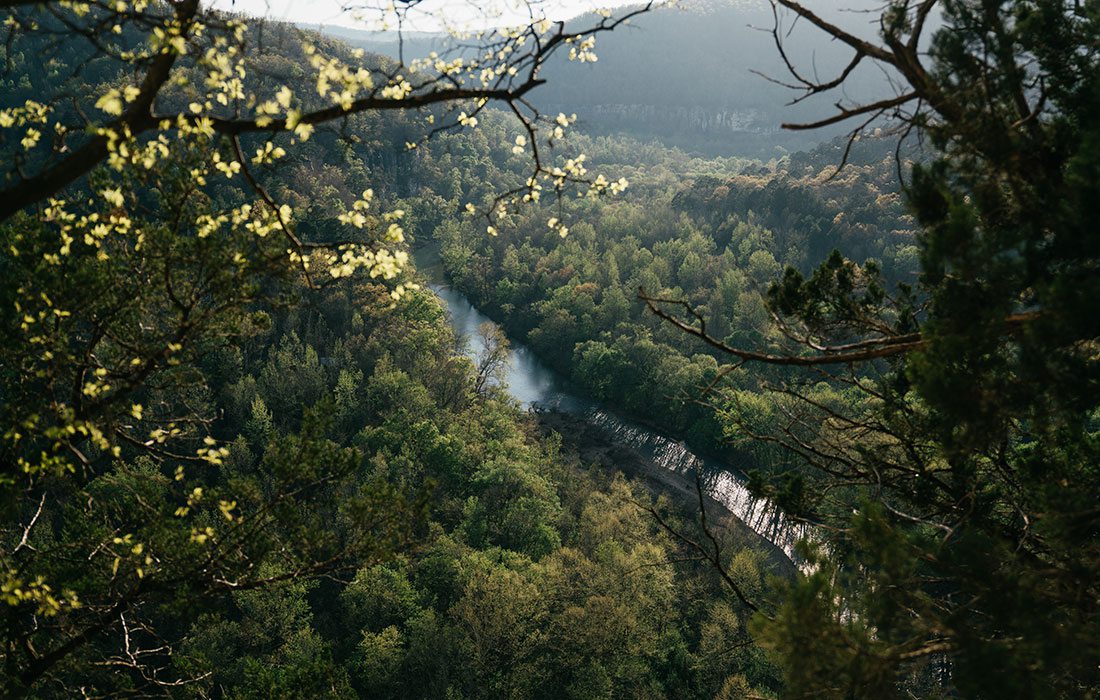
(958, 480)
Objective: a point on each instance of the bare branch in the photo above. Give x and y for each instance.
(869, 350)
(845, 113)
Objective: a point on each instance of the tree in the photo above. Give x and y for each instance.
(492, 357)
(959, 482)
(142, 235)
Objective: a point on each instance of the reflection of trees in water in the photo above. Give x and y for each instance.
(492, 358)
(718, 481)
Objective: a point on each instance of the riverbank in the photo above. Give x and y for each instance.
(612, 442)
(538, 379)
(593, 446)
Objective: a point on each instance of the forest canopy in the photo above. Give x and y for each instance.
(245, 454)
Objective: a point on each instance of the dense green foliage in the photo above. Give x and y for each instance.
(227, 476)
(972, 545)
(314, 494)
(529, 578)
(957, 476)
(716, 242)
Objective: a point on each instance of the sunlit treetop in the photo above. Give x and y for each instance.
(184, 78)
(185, 73)
(151, 87)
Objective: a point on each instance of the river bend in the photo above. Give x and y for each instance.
(539, 387)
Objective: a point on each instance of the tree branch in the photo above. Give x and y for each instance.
(868, 350)
(138, 117)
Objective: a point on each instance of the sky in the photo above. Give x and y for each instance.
(429, 15)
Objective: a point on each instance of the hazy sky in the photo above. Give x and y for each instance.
(465, 14)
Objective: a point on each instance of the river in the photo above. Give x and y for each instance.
(539, 387)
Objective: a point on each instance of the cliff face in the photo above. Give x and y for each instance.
(750, 132)
(688, 118)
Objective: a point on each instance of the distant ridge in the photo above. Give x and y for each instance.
(684, 77)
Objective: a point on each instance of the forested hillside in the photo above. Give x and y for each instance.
(363, 515)
(712, 233)
(244, 452)
(687, 76)
(526, 575)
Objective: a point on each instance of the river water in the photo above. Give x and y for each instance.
(539, 387)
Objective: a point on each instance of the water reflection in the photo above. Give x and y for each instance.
(532, 383)
(538, 387)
